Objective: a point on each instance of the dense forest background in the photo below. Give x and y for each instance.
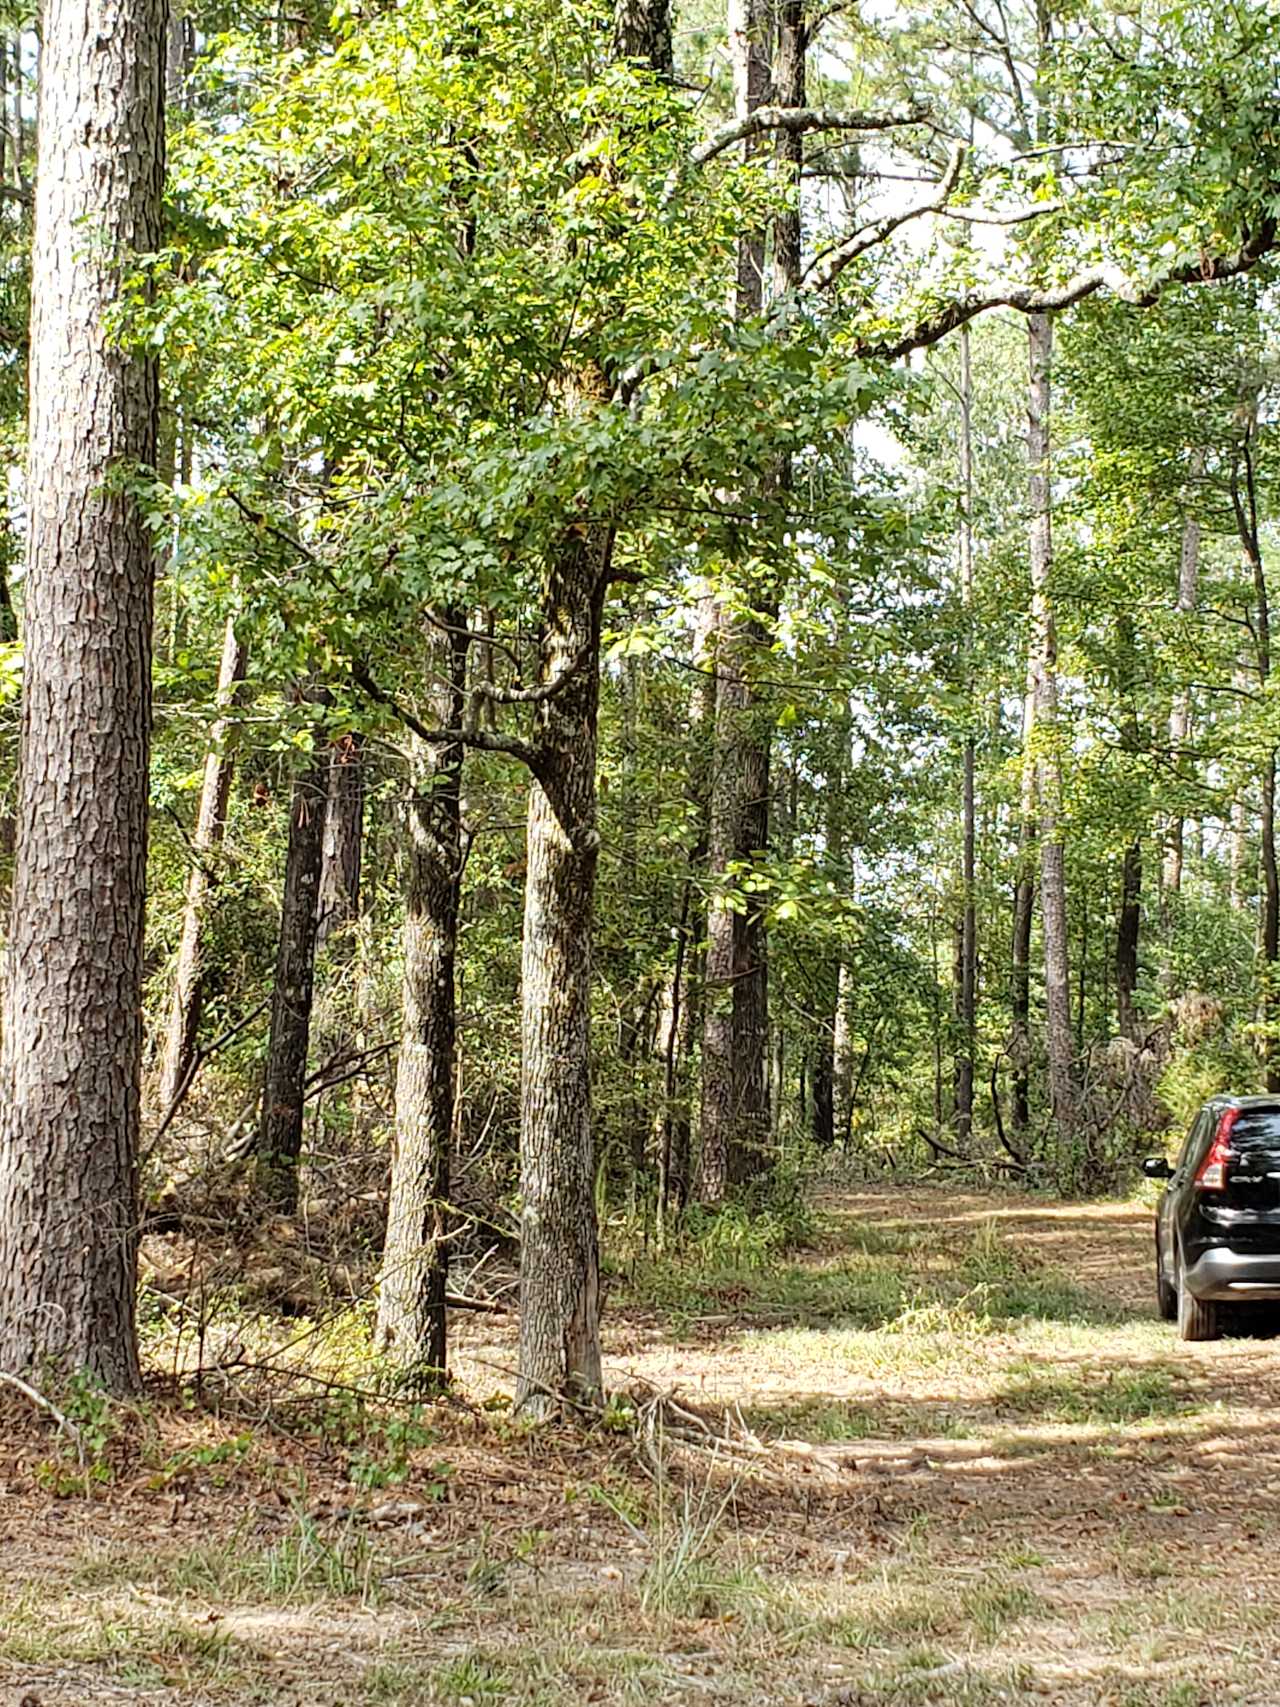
(711, 618)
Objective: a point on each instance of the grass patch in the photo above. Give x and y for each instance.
(1093, 1394)
(308, 1562)
(897, 1614)
(396, 1683)
(1141, 1563)
(992, 1606)
(927, 1675)
(902, 1279)
(687, 1575)
(819, 1419)
(908, 1609)
(160, 1651)
(473, 1678)
(830, 1421)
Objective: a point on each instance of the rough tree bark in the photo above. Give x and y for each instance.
(1053, 881)
(280, 1127)
(634, 990)
(1180, 709)
(829, 1063)
(559, 1358)
(343, 845)
(822, 1113)
(967, 983)
(559, 1249)
(735, 1092)
(211, 823)
(412, 1326)
(1129, 917)
(1023, 916)
(1244, 500)
(842, 1059)
(735, 1096)
(1128, 930)
(180, 53)
(642, 30)
(71, 1058)
(676, 1144)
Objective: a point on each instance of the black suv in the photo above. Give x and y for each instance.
(1218, 1219)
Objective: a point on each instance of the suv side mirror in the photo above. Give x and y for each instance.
(1155, 1167)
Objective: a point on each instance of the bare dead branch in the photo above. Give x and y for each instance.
(994, 216)
(65, 1425)
(533, 696)
(826, 268)
(479, 739)
(800, 121)
(1029, 299)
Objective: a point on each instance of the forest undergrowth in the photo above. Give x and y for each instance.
(943, 1451)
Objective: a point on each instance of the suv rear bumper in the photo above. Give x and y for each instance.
(1224, 1275)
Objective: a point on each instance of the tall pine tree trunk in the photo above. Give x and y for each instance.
(678, 1164)
(211, 823)
(1053, 880)
(72, 1046)
(1180, 710)
(284, 1088)
(1239, 846)
(412, 1326)
(827, 1061)
(735, 1090)
(1129, 917)
(1244, 500)
(1128, 929)
(842, 1062)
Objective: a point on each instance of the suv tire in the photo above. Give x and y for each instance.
(1197, 1318)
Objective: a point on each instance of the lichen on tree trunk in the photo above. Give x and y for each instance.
(559, 1254)
(412, 1327)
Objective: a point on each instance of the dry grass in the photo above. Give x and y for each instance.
(964, 1464)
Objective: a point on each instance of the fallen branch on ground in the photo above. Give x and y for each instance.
(65, 1425)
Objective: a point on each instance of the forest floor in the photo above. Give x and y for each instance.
(946, 1455)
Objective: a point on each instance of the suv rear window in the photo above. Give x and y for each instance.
(1258, 1129)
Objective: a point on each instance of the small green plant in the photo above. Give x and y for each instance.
(472, 1679)
(306, 1561)
(618, 1415)
(487, 1571)
(529, 1544)
(216, 1458)
(384, 1459)
(750, 1231)
(93, 1423)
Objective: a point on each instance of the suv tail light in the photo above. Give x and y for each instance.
(1212, 1172)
